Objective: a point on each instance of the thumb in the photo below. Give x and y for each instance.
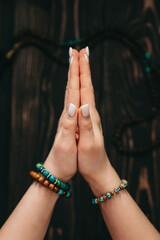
(85, 122)
(69, 123)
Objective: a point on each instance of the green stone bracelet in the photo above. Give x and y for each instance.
(52, 179)
(108, 195)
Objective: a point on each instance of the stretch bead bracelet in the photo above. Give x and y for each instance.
(52, 179)
(41, 179)
(108, 195)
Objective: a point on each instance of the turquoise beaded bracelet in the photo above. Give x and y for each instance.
(52, 179)
(108, 195)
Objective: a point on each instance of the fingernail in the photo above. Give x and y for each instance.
(85, 110)
(87, 51)
(86, 57)
(71, 60)
(70, 51)
(71, 110)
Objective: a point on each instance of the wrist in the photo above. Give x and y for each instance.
(50, 166)
(105, 181)
(44, 191)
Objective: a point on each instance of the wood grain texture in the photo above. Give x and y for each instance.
(32, 95)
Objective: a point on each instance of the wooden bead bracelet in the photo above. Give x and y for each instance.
(42, 180)
(108, 195)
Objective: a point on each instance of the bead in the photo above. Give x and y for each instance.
(34, 175)
(147, 69)
(58, 184)
(37, 176)
(67, 187)
(63, 185)
(56, 189)
(108, 195)
(51, 186)
(60, 192)
(104, 197)
(78, 40)
(38, 165)
(101, 199)
(31, 173)
(93, 202)
(70, 42)
(112, 193)
(121, 187)
(52, 179)
(124, 183)
(46, 183)
(40, 168)
(45, 173)
(41, 179)
(117, 190)
(68, 194)
(147, 55)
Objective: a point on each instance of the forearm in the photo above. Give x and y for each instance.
(123, 217)
(31, 217)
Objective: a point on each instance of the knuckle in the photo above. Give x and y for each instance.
(86, 125)
(68, 124)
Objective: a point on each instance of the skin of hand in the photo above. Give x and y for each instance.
(62, 159)
(123, 217)
(93, 162)
(29, 221)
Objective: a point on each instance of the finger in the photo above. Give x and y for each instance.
(72, 89)
(69, 124)
(85, 123)
(87, 91)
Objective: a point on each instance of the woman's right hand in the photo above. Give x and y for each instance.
(62, 159)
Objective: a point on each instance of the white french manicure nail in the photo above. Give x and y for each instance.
(87, 51)
(70, 51)
(85, 110)
(71, 60)
(86, 57)
(71, 110)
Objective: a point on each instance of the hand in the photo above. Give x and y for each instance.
(62, 159)
(93, 163)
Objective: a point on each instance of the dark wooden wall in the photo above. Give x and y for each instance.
(31, 101)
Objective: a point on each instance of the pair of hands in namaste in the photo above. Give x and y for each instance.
(79, 143)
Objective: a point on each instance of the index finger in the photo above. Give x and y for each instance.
(87, 91)
(72, 89)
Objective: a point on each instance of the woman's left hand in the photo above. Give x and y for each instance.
(93, 163)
